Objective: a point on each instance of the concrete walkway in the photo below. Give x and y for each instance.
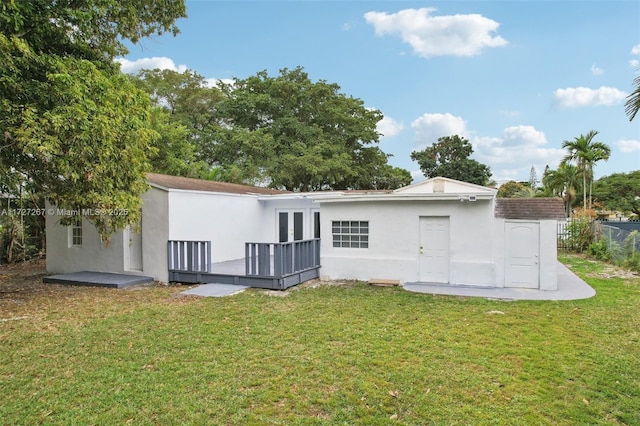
(215, 290)
(570, 287)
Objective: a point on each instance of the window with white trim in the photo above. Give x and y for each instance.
(350, 233)
(75, 236)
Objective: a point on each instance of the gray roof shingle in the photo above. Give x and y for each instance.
(530, 208)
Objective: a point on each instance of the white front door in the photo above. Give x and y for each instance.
(290, 225)
(522, 257)
(433, 264)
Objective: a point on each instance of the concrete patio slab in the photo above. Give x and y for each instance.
(570, 287)
(215, 290)
(98, 279)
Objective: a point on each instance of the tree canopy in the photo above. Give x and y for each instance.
(449, 157)
(70, 120)
(619, 192)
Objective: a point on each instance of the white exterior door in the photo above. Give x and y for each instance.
(290, 225)
(523, 254)
(433, 263)
(133, 250)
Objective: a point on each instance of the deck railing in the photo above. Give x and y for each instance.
(190, 256)
(278, 260)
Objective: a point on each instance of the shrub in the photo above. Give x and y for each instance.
(581, 234)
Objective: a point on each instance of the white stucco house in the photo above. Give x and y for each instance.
(437, 231)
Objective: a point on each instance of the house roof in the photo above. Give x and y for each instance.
(437, 188)
(530, 208)
(442, 185)
(178, 182)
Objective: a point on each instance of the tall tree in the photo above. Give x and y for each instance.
(449, 157)
(563, 182)
(511, 189)
(189, 101)
(632, 106)
(619, 192)
(586, 153)
(69, 119)
(289, 132)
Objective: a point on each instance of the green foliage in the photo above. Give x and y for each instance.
(632, 105)
(510, 189)
(619, 192)
(586, 153)
(624, 253)
(74, 128)
(323, 355)
(581, 234)
(563, 182)
(600, 249)
(72, 136)
(176, 154)
(89, 29)
(189, 103)
(449, 158)
(289, 132)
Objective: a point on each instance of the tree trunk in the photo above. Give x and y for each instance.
(584, 189)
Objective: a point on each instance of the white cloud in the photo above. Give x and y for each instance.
(635, 63)
(576, 97)
(458, 35)
(213, 82)
(430, 127)
(511, 155)
(635, 50)
(596, 71)
(629, 145)
(163, 63)
(389, 127)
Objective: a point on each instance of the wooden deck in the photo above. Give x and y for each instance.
(275, 266)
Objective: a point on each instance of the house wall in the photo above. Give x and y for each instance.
(227, 220)
(548, 255)
(269, 216)
(155, 234)
(394, 240)
(93, 255)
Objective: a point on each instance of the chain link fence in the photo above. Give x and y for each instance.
(617, 241)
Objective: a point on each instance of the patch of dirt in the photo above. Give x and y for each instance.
(311, 284)
(23, 294)
(611, 271)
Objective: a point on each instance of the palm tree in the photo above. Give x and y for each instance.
(562, 183)
(586, 152)
(632, 106)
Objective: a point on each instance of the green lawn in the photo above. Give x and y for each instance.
(349, 354)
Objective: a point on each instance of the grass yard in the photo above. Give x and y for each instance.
(325, 354)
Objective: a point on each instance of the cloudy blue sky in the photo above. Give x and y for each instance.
(516, 78)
